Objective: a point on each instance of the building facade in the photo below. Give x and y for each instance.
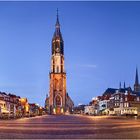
(58, 98)
(117, 101)
(123, 101)
(90, 110)
(9, 104)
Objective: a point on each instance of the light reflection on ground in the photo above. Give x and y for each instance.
(71, 126)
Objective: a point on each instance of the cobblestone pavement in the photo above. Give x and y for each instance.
(70, 127)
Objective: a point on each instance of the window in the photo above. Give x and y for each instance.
(58, 101)
(57, 69)
(125, 98)
(127, 104)
(124, 104)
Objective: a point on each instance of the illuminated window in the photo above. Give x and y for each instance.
(125, 98)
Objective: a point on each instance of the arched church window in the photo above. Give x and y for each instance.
(58, 101)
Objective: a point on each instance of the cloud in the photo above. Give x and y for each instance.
(89, 66)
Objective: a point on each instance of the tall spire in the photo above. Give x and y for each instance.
(124, 84)
(57, 20)
(136, 78)
(137, 85)
(57, 32)
(120, 85)
(57, 40)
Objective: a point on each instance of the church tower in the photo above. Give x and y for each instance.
(136, 85)
(57, 92)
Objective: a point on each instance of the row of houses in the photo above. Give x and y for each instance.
(12, 106)
(116, 101)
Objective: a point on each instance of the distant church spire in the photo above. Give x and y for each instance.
(120, 85)
(124, 84)
(137, 85)
(136, 78)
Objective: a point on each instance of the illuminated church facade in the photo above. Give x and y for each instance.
(59, 102)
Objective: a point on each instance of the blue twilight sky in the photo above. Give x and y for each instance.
(102, 46)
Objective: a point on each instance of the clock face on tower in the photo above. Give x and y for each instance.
(57, 50)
